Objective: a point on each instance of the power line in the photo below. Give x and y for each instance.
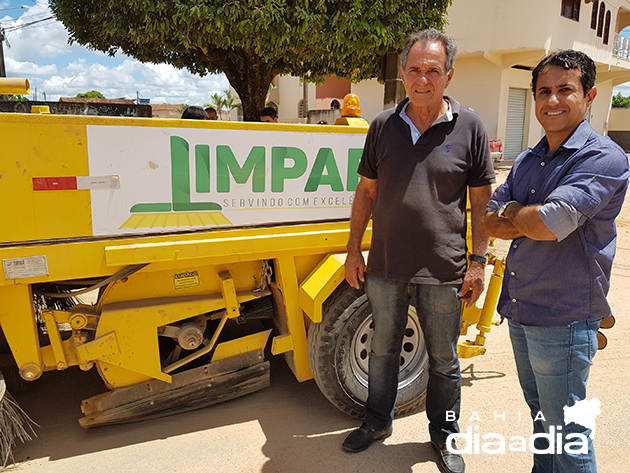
(26, 25)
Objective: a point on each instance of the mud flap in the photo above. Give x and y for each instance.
(193, 389)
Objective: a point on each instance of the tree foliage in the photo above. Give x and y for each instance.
(252, 41)
(223, 101)
(619, 101)
(92, 94)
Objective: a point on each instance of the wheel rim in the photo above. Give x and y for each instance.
(413, 356)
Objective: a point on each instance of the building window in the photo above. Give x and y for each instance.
(594, 15)
(607, 27)
(600, 19)
(571, 9)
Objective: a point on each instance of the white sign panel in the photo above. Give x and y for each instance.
(178, 179)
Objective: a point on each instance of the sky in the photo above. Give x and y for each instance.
(41, 54)
(54, 68)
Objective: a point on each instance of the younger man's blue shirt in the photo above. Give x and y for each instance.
(555, 283)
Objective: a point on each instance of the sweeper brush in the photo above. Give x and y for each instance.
(14, 424)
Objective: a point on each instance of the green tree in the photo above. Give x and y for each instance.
(92, 94)
(18, 98)
(252, 41)
(619, 101)
(223, 101)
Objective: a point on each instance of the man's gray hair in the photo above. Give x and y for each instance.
(431, 35)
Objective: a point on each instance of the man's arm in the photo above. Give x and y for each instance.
(473, 284)
(519, 221)
(501, 227)
(364, 199)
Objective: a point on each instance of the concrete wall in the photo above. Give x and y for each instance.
(486, 25)
(370, 94)
(291, 92)
(619, 119)
(619, 127)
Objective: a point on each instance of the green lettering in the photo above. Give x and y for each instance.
(228, 165)
(354, 156)
(279, 154)
(180, 179)
(202, 168)
(325, 160)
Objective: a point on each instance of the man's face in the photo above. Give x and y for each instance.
(212, 114)
(560, 100)
(268, 119)
(425, 76)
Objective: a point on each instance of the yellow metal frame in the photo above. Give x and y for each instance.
(482, 317)
(120, 333)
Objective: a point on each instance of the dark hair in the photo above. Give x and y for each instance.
(269, 112)
(569, 59)
(431, 35)
(207, 109)
(195, 113)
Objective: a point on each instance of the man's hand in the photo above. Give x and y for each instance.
(355, 269)
(472, 286)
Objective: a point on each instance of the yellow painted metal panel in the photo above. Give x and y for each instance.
(135, 324)
(103, 348)
(282, 344)
(320, 284)
(17, 318)
(288, 284)
(256, 341)
(50, 360)
(245, 246)
(42, 146)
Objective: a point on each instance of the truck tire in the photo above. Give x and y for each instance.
(339, 347)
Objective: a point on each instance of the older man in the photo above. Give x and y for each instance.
(558, 205)
(418, 162)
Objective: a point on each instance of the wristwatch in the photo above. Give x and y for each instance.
(478, 259)
(502, 209)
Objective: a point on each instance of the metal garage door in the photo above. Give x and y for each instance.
(515, 123)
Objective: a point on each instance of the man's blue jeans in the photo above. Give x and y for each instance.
(553, 364)
(439, 314)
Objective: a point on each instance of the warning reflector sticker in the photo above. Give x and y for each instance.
(29, 267)
(185, 280)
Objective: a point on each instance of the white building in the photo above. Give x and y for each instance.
(499, 42)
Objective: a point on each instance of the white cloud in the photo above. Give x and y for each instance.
(64, 70)
(160, 82)
(27, 68)
(44, 40)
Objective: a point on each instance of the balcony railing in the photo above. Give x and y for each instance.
(621, 48)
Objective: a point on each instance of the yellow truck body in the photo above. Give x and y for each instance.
(178, 229)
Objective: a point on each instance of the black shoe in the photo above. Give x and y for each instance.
(449, 462)
(361, 438)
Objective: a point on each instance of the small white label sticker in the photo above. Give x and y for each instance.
(31, 266)
(98, 182)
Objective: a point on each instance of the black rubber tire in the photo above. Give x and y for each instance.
(338, 350)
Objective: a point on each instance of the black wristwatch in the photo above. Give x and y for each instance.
(478, 259)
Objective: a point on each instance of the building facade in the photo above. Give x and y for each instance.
(500, 41)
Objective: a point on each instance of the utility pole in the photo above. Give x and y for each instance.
(3, 71)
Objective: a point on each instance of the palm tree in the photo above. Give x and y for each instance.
(223, 101)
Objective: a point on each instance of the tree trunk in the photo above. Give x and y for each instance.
(251, 77)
